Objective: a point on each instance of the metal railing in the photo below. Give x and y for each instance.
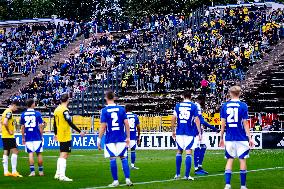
(149, 122)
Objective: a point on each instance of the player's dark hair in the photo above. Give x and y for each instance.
(187, 94)
(201, 98)
(110, 95)
(30, 102)
(64, 97)
(127, 107)
(15, 102)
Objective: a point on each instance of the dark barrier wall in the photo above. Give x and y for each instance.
(273, 140)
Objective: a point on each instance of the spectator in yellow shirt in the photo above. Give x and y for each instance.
(245, 10)
(247, 53)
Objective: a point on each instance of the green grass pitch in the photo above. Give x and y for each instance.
(90, 169)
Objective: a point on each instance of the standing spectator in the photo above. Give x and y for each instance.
(149, 81)
(156, 81)
(204, 85)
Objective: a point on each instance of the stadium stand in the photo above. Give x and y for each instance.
(153, 61)
(28, 44)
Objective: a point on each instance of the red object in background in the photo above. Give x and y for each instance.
(266, 119)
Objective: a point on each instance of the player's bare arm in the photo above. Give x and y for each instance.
(246, 125)
(223, 124)
(127, 129)
(41, 127)
(138, 131)
(173, 125)
(23, 134)
(101, 133)
(197, 122)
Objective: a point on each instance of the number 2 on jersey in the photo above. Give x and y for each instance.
(114, 124)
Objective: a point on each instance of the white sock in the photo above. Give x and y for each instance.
(14, 162)
(5, 163)
(132, 165)
(62, 167)
(58, 167)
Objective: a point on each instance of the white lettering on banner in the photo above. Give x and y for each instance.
(19, 143)
(77, 141)
(149, 141)
(52, 142)
(92, 142)
(84, 142)
(157, 141)
(164, 141)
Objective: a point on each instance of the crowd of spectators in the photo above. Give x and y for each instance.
(24, 47)
(156, 56)
(205, 59)
(151, 23)
(77, 73)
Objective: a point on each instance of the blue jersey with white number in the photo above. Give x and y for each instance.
(235, 112)
(32, 120)
(133, 122)
(114, 116)
(185, 113)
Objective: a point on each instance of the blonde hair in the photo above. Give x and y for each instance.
(235, 91)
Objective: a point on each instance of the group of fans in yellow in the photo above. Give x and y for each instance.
(119, 125)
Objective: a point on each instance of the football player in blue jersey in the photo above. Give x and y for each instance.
(115, 125)
(134, 125)
(238, 141)
(200, 149)
(185, 114)
(32, 129)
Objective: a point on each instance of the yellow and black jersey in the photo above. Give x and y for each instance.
(232, 12)
(212, 78)
(233, 65)
(222, 22)
(161, 79)
(62, 124)
(247, 54)
(247, 19)
(245, 10)
(9, 115)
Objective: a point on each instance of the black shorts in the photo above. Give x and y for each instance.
(65, 146)
(9, 143)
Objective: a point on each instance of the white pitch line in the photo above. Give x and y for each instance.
(169, 180)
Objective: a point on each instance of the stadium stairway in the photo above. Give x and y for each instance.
(265, 84)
